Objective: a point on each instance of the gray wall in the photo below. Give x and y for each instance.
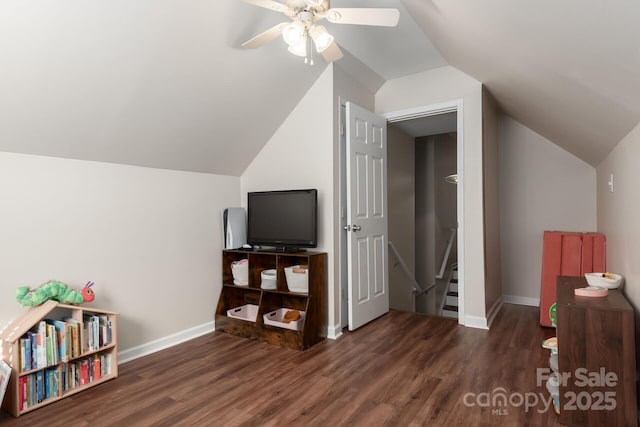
(150, 239)
(401, 202)
(436, 205)
(542, 187)
(618, 212)
(493, 282)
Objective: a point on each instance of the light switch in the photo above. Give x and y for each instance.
(610, 183)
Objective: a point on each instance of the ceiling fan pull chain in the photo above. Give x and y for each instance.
(306, 44)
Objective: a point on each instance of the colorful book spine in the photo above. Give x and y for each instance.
(22, 385)
(39, 386)
(97, 370)
(41, 345)
(74, 325)
(23, 354)
(61, 335)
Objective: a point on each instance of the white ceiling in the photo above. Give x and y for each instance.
(163, 83)
(390, 52)
(427, 126)
(569, 70)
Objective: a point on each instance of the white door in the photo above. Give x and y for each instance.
(366, 216)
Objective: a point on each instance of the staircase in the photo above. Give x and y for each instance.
(450, 308)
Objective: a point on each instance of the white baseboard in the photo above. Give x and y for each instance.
(514, 299)
(476, 322)
(484, 322)
(165, 342)
(493, 311)
(335, 332)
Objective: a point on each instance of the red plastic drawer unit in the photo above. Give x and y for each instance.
(567, 254)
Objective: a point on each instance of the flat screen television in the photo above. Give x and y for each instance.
(286, 220)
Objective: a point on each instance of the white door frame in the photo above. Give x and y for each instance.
(455, 106)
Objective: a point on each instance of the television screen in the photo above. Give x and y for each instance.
(284, 219)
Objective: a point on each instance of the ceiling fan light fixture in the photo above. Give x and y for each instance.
(300, 48)
(321, 37)
(294, 33)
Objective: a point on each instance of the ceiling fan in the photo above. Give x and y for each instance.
(303, 33)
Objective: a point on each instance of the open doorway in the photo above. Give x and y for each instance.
(437, 111)
(456, 107)
(422, 194)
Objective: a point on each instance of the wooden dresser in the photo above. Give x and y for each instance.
(596, 347)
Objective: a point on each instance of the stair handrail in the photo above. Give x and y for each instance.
(447, 254)
(417, 289)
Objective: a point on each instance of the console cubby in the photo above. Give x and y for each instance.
(312, 303)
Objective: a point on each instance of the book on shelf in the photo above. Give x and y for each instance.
(97, 370)
(39, 387)
(105, 330)
(61, 335)
(74, 327)
(25, 359)
(91, 327)
(34, 350)
(85, 371)
(41, 345)
(54, 341)
(22, 385)
(51, 345)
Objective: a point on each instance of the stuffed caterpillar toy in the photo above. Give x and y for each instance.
(56, 291)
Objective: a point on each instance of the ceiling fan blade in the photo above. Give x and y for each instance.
(364, 16)
(269, 4)
(332, 53)
(264, 37)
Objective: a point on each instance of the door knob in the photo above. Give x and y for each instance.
(356, 228)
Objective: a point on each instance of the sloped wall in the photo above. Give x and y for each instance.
(618, 212)
(300, 155)
(542, 187)
(150, 239)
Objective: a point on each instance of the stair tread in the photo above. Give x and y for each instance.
(453, 281)
(452, 294)
(450, 308)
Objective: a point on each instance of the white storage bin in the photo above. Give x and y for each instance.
(298, 280)
(240, 271)
(275, 318)
(268, 279)
(244, 312)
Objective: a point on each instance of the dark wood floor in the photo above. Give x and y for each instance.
(403, 369)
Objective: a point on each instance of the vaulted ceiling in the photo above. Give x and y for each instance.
(163, 83)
